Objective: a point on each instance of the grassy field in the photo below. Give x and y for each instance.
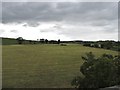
(9, 41)
(42, 66)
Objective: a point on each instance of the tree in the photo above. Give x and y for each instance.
(30, 41)
(98, 72)
(107, 45)
(42, 40)
(46, 41)
(20, 40)
(58, 41)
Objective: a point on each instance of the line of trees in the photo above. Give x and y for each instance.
(112, 45)
(42, 41)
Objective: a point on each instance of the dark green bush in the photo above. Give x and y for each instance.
(100, 72)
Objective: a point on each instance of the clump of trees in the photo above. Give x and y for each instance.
(58, 41)
(112, 45)
(100, 72)
(20, 40)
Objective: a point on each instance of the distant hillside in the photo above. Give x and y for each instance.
(9, 41)
(108, 44)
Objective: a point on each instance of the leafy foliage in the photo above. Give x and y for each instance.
(98, 72)
(20, 40)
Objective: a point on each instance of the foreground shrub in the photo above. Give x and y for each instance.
(98, 72)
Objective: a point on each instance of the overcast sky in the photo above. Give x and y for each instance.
(60, 20)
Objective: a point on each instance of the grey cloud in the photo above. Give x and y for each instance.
(45, 30)
(57, 26)
(25, 25)
(44, 11)
(22, 12)
(31, 24)
(0, 12)
(13, 31)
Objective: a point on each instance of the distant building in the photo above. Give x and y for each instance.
(95, 45)
(92, 45)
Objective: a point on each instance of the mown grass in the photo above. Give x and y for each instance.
(43, 66)
(9, 41)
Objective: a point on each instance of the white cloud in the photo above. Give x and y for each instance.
(55, 32)
(32, 33)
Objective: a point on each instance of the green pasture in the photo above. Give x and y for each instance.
(43, 66)
(9, 41)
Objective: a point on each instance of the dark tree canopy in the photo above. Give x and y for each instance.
(100, 72)
(58, 41)
(20, 40)
(46, 41)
